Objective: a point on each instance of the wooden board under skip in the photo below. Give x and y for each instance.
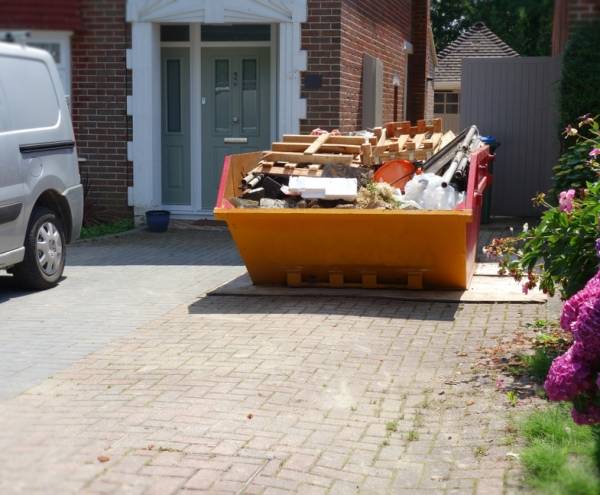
(484, 289)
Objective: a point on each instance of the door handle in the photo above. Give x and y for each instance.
(235, 140)
(236, 120)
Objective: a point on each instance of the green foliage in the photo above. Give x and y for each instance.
(575, 167)
(560, 457)
(449, 18)
(559, 251)
(526, 25)
(579, 88)
(117, 227)
(537, 365)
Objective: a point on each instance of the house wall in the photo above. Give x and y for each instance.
(378, 29)
(429, 78)
(99, 86)
(59, 15)
(321, 38)
(567, 15)
(417, 65)
(99, 102)
(337, 35)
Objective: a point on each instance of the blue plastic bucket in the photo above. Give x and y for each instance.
(158, 220)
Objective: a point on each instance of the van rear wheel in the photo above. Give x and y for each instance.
(44, 260)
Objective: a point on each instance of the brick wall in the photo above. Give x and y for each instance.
(567, 14)
(99, 101)
(99, 85)
(337, 35)
(59, 15)
(321, 38)
(583, 10)
(378, 29)
(430, 75)
(417, 65)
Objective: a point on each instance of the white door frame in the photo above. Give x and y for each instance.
(287, 60)
(195, 46)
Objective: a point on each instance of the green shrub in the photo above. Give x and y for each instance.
(576, 167)
(580, 82)
(559, 251)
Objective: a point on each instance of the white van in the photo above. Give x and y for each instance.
(41, 197)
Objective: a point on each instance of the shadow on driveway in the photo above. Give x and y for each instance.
(332, 307)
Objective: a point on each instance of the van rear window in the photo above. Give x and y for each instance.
(31, 99)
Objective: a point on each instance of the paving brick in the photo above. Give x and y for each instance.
(167, 393)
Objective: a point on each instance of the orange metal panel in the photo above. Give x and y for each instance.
(389, 246)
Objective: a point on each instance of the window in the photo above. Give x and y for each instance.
(29, 93)
(240, 32)
(58, 44)
(175, 33)
(446, 102)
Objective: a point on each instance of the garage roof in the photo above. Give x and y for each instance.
(476, 42)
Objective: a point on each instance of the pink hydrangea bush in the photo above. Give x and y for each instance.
(575, 376)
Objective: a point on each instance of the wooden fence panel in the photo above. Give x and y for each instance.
(516, 101)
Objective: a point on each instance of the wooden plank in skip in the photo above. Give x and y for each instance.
(306, 138)
(270, 169)
(402, 141)
(367, 155)
(316, 144)
(276, 156)
(447, 138)
(382, 137)
(349, 149)
(418, 139)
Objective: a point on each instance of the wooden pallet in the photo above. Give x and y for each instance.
(306, 155)
(369, 280)
(401, 140)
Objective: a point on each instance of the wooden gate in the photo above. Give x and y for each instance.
(516, 101)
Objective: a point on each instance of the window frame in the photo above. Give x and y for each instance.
(445, 103)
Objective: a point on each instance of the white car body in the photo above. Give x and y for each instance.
(38, 158)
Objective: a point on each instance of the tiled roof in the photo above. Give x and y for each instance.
(477, 41)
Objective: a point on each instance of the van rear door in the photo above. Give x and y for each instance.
(12, 188)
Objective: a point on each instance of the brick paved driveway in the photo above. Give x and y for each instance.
(111, 287)
(258, 396)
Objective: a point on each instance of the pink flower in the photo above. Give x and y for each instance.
(565, 200)
(571, 309)
(567, 378)
(589, 416)
(525, 288)
(595, 152)
(570, 131)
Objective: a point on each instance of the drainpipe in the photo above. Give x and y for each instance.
(407, 49)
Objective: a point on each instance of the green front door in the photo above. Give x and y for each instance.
(175, 170)
(235, 109)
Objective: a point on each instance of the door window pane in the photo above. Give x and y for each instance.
(173, 96)
(175, 32)
(438, 97)
(452, 98)
(249, 96)
(222, 95)
(438, 108)
(245, 32)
